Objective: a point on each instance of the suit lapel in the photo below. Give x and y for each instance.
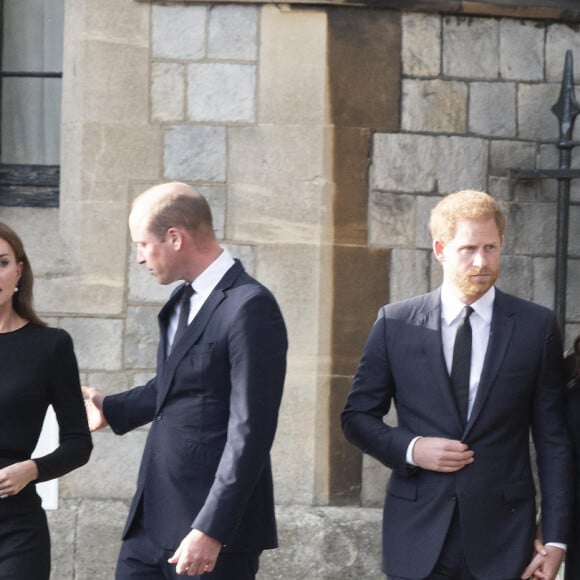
(502, 325)
(194, 330)
(431, 320)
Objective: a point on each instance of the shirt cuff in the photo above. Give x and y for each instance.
(409, 456)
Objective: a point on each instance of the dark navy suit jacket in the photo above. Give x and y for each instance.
(214, 407)
(520, 389)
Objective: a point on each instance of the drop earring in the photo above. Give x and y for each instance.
(16, 289)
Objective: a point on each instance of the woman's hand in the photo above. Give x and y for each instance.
(14, 478)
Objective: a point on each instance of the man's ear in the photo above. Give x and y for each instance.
(438, 248)
(175, 238)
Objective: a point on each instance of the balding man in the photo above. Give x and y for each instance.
(204, 499)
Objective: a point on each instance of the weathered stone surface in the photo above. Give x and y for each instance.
(535, 120)
(531, 229)
(62, 524)
(424, 205)
(492, 110)
(409, 273)
(111, 472)
(391, 220)
(292, 66)
(521, 55)
(98, 342)
(543, 281)
(572, 295)
(233, 32)
(178, 32)
(167, 91)
(221, 92)
(506, 155)
(434, 106)
(516, 276)
(471, 47)
(462, 163)
(195, 153)
(559, 39)
(141, 337)
(326, 544)
(421, 44)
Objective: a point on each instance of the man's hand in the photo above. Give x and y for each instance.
(16, 477)
(439, 454)
(94, 408)
(196, 554)
(545, 563)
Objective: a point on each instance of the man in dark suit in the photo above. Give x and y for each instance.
(460, 502)
(204, 501)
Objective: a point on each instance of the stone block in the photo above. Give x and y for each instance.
(350, 151)
(516, 276)
(142, 285)
(97, 342)
(195, 153)
(409, 273)
(507, 155)
(522, 50)
(326, 544)
(391, 220)
(391, 170)
(167, 91)
(99, 529)
(117, 70)
(571, 332)
(500, 187)
(531, 229)
(293, 452)
(421, 44)
(178, 32)
(435, 272)
(233, 32)
(141, 337)
(278, 154)
(108, 382)
(285, 213)
(112, 470)
(462, 163)
(364, 68)
(221, 92)
(292, 66)
(560, 37)
(244, 253)
(435, 106)
(109, 21)
(543, 281)
(62, 524)
(424, 206)
(216, 196)
(471, 47)
(492, 110)
(536, 122)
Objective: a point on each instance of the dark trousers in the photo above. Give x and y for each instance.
(451, 564)
(140, 559)
(24, 541)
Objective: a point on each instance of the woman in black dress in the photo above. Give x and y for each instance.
(573, 416)
(38, 368)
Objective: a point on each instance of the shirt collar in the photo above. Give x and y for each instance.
(451, 307)
(209, 278)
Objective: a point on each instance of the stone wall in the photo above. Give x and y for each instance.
(322, 136)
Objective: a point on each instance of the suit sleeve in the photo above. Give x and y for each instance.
(553, 449)
(370, 399)
(257, 345)
(131, 409)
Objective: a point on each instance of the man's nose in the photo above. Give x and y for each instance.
(139, 257)
(478, 259)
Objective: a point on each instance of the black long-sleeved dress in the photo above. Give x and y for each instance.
(38, 368)
(573, 416)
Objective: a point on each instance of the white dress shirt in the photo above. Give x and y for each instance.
(203, 286)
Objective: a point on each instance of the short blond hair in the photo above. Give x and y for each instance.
(463, 205)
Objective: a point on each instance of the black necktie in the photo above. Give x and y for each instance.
(185, 302)
(462, 363)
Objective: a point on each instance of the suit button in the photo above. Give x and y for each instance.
(158, 417)
(452, 498)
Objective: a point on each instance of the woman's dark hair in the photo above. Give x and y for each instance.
(21, 300)
(573, 365)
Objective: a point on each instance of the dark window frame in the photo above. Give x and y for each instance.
(26, 185)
